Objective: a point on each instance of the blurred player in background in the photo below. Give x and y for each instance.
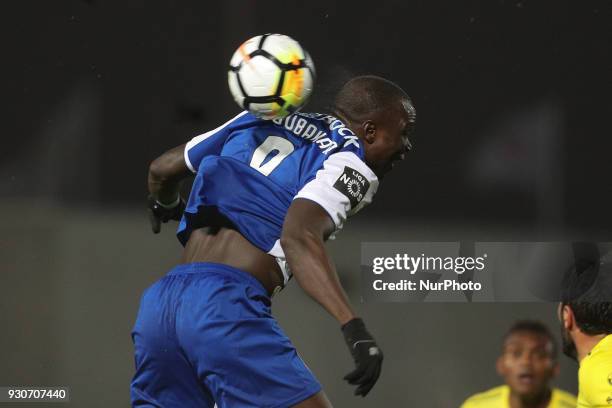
(585, 313)
(266, 196)
(528, 363)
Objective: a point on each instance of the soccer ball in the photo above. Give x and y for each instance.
(271, 76)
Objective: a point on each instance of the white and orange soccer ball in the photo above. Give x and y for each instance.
(271, 76)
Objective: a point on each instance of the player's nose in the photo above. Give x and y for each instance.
(526, 360)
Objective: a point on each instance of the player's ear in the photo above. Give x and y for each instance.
(499, 366)
(567, 317)
(369, 131)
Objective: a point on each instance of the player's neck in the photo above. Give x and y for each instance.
(538, 401)
(586, 343)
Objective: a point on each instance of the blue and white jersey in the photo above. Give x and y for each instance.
(251, 169)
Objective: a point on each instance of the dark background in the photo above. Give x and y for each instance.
(512, 142)
(107, 86)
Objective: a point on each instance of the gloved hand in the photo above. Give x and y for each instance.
(159, 213)
(367, 356)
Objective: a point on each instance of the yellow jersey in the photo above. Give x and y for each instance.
(595, 376)
(499, 397)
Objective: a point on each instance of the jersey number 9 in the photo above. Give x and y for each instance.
(282, 146)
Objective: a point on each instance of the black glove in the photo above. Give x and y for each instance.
(367, 356)
(159, 213)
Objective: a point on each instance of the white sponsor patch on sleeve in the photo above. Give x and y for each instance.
(342, 187)
(353, 185)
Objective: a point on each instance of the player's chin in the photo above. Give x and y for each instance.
(528, 391)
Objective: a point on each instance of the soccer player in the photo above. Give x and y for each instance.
(528, 363)
(585, 313)
(266, 196)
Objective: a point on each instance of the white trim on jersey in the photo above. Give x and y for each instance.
(279, 254)
(200, 138)
(330, 187)
(187, 161)
(277, 250)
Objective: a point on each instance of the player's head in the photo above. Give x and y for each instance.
(585, 309)
(382, 115)
(529, 359)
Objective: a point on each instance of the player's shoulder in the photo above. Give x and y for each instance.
(242, 119)
(595, 374)
(562, 399)
(599, 360)
(602, 352)
(245, 117)
(493, 396)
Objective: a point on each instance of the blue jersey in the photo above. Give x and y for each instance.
(249, 170)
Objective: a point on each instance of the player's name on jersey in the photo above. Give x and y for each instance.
(426, 285)
(300, 126)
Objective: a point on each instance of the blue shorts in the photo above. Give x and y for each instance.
(204, 335)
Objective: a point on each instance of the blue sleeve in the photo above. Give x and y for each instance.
(211, 142)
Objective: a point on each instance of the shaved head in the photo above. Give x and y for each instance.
(381, 115)
(366, 96)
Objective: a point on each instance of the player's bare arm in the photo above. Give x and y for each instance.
(305, 228)
(164, 181)
(165, 174)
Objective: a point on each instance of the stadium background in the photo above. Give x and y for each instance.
(511, 144)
